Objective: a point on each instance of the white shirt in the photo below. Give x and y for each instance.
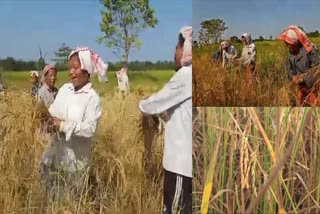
(249, 53)
(123, 82)
(79, 112)
(176, 99)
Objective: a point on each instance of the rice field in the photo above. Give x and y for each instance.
(256, 160)
(214, 86)
(147, 81)
(119, 181)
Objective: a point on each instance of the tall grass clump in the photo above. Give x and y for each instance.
(118, 182)
(257, 160)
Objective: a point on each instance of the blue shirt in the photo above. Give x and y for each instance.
(299, 64)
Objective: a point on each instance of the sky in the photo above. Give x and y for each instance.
(258, 17)
(29, 24)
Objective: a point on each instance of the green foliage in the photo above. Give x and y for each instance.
(235, 39)
(62, 57)
(313, 34)
(122, 21)
(13, 64)
(211, 30)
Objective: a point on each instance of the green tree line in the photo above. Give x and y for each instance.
(12, 64)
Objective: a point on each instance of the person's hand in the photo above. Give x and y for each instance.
(56, 123)
(297, 80)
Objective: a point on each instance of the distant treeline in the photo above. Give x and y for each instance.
(12, 64)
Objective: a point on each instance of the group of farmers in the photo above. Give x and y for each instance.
(74, 111)
(303, 57)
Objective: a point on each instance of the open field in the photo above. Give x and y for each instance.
(258, 160)
(214, 86)
(148, 81)
(118, 181)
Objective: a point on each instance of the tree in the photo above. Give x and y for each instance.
(261, 38)
(62, 57)
(203, 38)
(195, 43)
(122, 21)
(313, 34)
(235, 39)
(40, 64)
(211, 30)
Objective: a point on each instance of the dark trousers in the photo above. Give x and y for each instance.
(177, 193)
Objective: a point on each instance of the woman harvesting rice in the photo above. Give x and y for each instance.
(227, 53)
(75, 113)
(48, 91)
(248, 57)
(303, 55)
(34, 79)
(123, 81)
(175, 99)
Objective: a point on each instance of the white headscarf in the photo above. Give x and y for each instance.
(248, 38)
(91, 62)
(186, 58)
(36, 73)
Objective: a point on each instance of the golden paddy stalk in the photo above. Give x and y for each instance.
(118, 182)
(272, 161)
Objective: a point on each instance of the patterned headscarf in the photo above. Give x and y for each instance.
(293, 35)
(186, 58)
(47, 68)
(91, 62)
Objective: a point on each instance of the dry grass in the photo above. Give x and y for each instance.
(214, 86)
(258, 160)
(118, 182)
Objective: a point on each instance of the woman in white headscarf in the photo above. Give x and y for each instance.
(248, 57)
(229, 53)
(75, 112)
(175, 99)
(123, 81)
(34, 79)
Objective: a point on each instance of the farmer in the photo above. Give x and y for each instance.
(75, 113)
(229, 53)
(248, 57)
(175, 99)
(34, 79)
(47, 92)
(123, 81)
(303, 55)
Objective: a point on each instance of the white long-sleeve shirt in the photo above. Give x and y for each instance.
(176, 99)
(123, 82)
(79, 112)
(248, 55)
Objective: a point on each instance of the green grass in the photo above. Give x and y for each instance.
(148, 81)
